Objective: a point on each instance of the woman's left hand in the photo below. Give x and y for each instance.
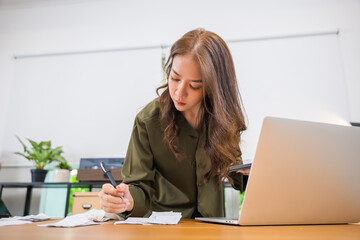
(244, 172)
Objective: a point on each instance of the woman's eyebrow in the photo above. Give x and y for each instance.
(198, 81)
(176, 72)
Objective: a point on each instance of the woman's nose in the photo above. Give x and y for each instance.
(181, 90)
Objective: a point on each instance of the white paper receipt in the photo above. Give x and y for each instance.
(17, 220)
(92, 217)
(165, 218)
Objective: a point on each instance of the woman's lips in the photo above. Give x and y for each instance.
(179, 103)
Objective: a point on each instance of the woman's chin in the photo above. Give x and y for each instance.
(179, 108)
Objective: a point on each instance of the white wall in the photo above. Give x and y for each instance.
(39, 26)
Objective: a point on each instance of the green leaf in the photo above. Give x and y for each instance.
(36, 153)
(46, 155)
(33, 143)
(21, 154)
(20, 140)
(58, 151)
(42, 156)
(60, 159)
(46, 144)
(25, 149)
(64, 165)
(34, 156)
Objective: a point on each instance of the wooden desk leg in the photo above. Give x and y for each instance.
(28, 200)
(67, 199)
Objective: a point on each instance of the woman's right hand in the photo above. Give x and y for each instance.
(111, 198)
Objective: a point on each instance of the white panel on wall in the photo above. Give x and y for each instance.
(299, 78)
(85, 103)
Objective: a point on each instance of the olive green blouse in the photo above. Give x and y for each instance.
(158, 181)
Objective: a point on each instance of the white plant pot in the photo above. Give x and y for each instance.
(61, 175)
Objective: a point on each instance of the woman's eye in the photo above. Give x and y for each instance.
(175, 79)
(195, 88)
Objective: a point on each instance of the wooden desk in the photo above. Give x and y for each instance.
(186, 229)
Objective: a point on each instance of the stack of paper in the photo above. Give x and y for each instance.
(23, 220)
(166, 218)
(91, 217)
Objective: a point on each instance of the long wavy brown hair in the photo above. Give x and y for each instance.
(222, 111)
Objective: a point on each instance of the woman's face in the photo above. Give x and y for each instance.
(185, 85)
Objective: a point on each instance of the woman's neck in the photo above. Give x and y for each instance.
(191, 118)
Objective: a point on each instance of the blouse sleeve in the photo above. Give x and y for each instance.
(138, 170)
(239, 180)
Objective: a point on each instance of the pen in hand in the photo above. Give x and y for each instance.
(108, 173)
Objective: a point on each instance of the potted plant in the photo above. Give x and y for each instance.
(62, 171)
(41, 154)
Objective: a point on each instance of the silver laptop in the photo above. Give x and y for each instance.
(303, 173)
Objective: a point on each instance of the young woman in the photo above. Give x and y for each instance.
(184, 141)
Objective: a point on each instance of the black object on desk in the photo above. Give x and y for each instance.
(90, 170)
(240, 167)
